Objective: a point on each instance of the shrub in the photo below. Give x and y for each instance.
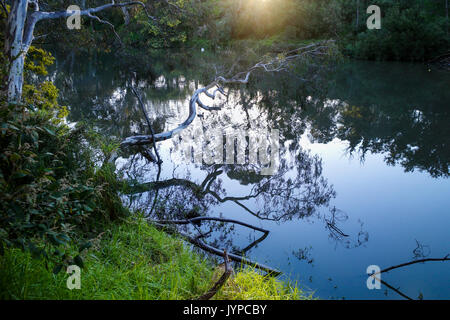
(53, 185)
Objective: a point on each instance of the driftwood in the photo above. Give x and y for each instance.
(219, 284)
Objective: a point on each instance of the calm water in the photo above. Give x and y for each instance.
(362, 178)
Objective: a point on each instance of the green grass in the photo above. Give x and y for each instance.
(134, 261)
(248, 284)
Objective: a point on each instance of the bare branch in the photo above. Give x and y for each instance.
(188, 221)
(210, 249)
(148, 123)
(274, 65)
(40, 15)
(397, 290)
(446, 258)
(107, 23)
(219, 284)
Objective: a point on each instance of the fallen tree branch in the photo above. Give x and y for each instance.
(219, 284)
(192, 220)
(254, 243)
(446, 258)
(397, 290)
(210, 249)
(274, 65)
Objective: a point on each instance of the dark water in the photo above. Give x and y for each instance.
(362, 178)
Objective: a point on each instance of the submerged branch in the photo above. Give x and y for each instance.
(397, 290)
(219, 284)
(213, 250)
(192, 220)
(446, 258)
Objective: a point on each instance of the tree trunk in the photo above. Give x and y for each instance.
(126, 15)
(14, 48)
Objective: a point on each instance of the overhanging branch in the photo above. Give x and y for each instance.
(274, 65)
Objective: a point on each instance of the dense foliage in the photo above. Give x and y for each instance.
(411, 29)
(56, 184)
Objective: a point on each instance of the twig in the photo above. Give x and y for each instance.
(148, 123)
(446, 258)
(397, 290)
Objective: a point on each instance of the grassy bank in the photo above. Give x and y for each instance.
(132, 260)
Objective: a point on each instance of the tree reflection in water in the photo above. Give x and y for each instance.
(364, 105)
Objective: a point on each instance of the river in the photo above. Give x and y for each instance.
(361, 177)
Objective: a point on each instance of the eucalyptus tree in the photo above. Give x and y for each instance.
(23, 16)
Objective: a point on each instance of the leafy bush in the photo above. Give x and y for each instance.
(52, 187)
(409, 33)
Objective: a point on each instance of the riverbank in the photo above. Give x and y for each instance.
(133, 260)
(60, 206)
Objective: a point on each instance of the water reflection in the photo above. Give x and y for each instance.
(370, 107)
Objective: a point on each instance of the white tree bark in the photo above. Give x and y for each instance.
(15, 49)
(19, 35)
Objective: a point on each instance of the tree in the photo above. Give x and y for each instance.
(20, 29)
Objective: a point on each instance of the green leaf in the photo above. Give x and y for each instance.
(49, 131)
